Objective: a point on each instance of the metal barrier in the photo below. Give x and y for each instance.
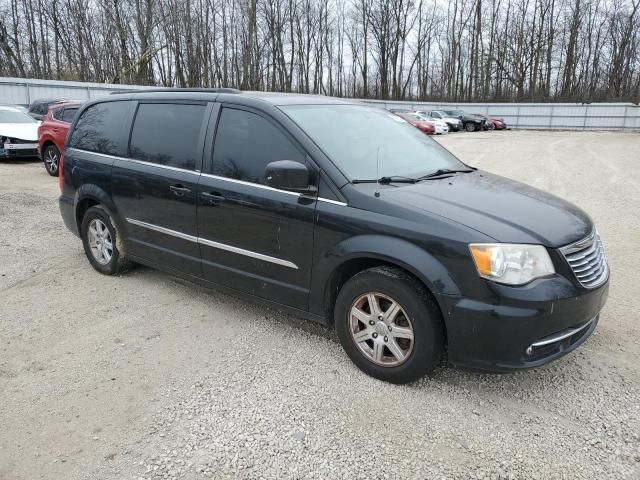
(574, 116)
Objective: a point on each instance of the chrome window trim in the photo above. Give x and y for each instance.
(334, 202)
(211, 243)
(133, 160)
(208, 175)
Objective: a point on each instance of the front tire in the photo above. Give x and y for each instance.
(389, 325)
(51, 158)
(100, 240)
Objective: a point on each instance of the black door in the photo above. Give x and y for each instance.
(254, 238)
(155, 188)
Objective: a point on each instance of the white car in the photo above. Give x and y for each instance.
(18, 134)
(440, 125)
(453, 123)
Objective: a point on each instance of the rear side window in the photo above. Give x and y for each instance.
(245, 143)
(167, 134)
(69, 114)
(58, 113)
(99, 128)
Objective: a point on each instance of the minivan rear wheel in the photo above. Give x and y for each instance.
(100, 241)
(389, 325)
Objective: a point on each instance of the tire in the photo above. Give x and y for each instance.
(417, 313)
(51, 159)
(470, 127)
(491, 126)
(102, 252)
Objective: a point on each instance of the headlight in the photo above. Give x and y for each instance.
(513, 264)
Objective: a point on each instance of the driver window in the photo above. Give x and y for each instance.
(245, 143)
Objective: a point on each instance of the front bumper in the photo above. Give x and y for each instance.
(521, 327)
(15, 150)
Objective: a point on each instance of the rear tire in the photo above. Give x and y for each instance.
(100, 240)
(51, 159)
(470, 127)
(389, 325)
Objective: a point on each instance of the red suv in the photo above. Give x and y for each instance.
(52, 133)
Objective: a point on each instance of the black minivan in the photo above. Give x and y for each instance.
(340, 212)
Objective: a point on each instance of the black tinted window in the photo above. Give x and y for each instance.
(69, 114)
(99, 128)
(167, 134)
(58, 113)
(246, 143)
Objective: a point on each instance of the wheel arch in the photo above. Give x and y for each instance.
(89, 195)
(367, 251)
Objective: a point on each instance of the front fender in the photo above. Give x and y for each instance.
(382, 248)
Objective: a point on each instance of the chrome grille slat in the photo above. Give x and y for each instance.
(597, 268)
(587, 261)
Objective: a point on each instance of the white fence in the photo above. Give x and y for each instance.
(594, 116)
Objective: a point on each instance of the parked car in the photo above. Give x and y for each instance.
(493, 123)
(470, 123)
(418, 122)
(18, 134)
(338, 212)
(454, 124)
(440, 125)
(52, 133)
(39, 108)
(18, 107)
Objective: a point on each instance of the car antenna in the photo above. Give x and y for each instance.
(377, 194)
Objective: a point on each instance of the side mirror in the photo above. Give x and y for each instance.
(289, 175)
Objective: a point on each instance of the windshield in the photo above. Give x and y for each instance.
(368, 143)
(14, 116)
(454, 113)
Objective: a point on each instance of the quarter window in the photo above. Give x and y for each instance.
(245, 143)
(99, 128)
(167, 134)
(69, 114)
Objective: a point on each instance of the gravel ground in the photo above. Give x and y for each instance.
(147, 376)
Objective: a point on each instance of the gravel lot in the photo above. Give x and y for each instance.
(148, 376)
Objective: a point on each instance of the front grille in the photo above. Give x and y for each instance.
(587, 261)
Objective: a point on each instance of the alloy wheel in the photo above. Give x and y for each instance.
(100, 241)
(51, 160)
(381, 329)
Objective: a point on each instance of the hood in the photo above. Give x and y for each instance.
(23, 131)
(451, 119)
(506, 210)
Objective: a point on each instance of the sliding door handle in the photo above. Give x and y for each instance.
(179, 190)
(213, 197)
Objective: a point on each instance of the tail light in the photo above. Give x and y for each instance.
(61, 172)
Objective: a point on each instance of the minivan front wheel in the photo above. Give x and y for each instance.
(100, 241)
(389, 325)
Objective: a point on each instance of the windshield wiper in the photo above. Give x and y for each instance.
(388, 180)
(444, 171)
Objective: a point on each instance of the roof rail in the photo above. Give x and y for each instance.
(174, 89)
